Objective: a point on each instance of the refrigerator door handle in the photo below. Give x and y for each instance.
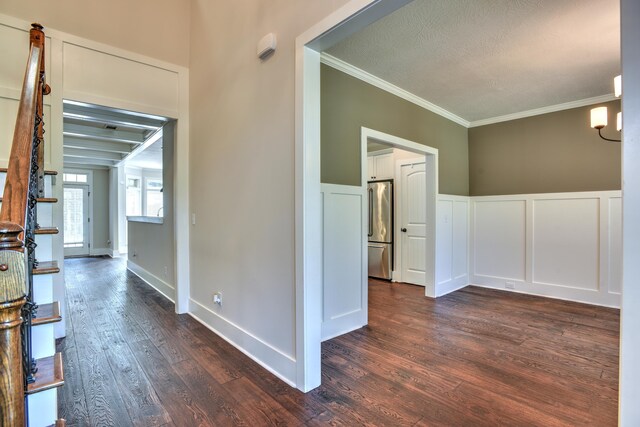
(370, 193)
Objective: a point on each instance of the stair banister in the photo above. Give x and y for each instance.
(17, 217)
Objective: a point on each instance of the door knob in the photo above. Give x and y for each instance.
(404, 230)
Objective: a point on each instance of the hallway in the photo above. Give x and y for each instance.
(475, 357)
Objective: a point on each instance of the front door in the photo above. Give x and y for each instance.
(413, 223)
(76, 220)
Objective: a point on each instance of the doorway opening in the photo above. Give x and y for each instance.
(77, 212)
(410, 171)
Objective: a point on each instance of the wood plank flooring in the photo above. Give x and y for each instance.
(476, 357)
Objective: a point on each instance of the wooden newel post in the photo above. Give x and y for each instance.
(12, 298)
(12, 378)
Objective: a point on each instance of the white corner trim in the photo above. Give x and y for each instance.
(155, 282)
(366, 77)
(273, 360)
(544, 110)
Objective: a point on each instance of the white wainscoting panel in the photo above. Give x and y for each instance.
(565, 242)
(452, 243)
(499, 227)
(345, 280)
(560, 245)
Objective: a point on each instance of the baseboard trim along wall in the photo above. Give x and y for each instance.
(101, 252)
(155, 282)
(558, 245)
(270, 358)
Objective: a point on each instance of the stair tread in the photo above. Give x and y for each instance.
(47, 230)
(50, 374)
(46, 172)
(42, 200)
(47, 313)
(49, 267)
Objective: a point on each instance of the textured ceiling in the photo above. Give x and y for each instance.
(481, 59)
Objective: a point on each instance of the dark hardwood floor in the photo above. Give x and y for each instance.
(476, 357)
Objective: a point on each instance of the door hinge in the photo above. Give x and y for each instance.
(88, 219)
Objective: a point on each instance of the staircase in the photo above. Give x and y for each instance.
(31, 369)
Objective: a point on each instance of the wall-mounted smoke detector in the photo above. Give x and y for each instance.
(266, 46)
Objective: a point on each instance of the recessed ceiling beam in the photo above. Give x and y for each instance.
(103, 134)
(130, 115)
(91, 154)
(94, 144)
(140, 148)
(78, 161)
(89, 115)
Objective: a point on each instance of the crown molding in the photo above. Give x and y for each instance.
(544, 110)
(366, 77)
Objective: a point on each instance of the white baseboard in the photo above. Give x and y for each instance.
(155, 282)
(451, 286)
(555, 292)
(101, 252)
(270, 358)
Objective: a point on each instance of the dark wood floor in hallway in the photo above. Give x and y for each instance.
(473, 358)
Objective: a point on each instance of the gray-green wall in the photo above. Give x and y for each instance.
(349, 103)
(100, 218)
(550, 153)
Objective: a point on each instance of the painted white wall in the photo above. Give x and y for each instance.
(151, 246)
(630, 315)
(344, 272)
(560, 245)
(242, 170)
(452, 243)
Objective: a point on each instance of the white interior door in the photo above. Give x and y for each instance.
(413, 225)
(76, 220)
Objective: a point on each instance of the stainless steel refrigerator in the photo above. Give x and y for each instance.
(380, 194)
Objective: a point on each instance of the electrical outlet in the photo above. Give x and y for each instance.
(510, 285)
(166, 271)
(217, 298)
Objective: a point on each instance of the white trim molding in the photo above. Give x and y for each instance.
(152, 280)
(544, 110)
(382, 84)
(366, 77)
(273, 360)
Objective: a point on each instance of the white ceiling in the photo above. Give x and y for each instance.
(481, 59)
(150, 158)
(105, 137)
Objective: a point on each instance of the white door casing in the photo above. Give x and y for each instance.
(76, 220)
(413, 225)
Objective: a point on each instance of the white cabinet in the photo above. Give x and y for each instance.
(380, 166)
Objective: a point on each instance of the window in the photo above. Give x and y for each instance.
(74, 217)
(154, 200)
(134, 196)
(80, 178)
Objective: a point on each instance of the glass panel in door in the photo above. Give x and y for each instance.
(76, 236)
